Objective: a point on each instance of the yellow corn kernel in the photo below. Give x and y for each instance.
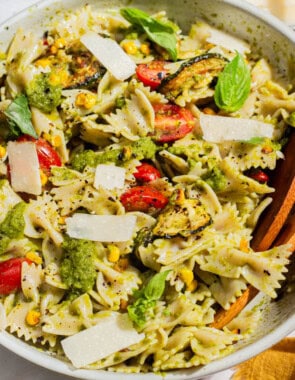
(60, 43)
(145, 49)
(54, 79)
(56, 141)
(244, 245)
(33, 317)
(32, 256)
(114, 253)
(46, 136)
(192, 286)
(44, 178)
(209, 111)
(130, 47)
(186, 275)
(85, 100)
(2, 151)
(61, 220)
(63, 77)
(53, 49)
(127, 152)
(42, 62)
(267, 149)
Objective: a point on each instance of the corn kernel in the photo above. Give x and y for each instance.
(2, 151)
(145, 49)
(53, 49)
(186, 275)
(61, 220)
(244, 245)
(54, 79)
(46, 136)
(43, 62)
(130, 47)
(127, 151)
(33, 317)
(192, 286)
(64, 77)
(85, 100)
(32, 256)
(56, 141)
(60, 43)
(267, 149)
(114, 253)
(44, 178)
(209, 111)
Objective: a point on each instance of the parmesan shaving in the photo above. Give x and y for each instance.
(221, 128)
(104, 228)
(110, 55)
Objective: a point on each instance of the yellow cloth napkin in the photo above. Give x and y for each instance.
(276, 363)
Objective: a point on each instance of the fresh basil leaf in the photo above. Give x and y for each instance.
(156, 286)
(20, 117)
(233, 85)
(159, 32)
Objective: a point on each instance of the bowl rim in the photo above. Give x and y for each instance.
(45, 360)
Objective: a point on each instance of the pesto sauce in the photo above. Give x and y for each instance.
(143, 148)
(42, 94)
(77, 268)
(12, 226)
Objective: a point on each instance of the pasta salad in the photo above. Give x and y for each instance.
(134, 165)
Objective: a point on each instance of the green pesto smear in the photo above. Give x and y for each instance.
(42, 94)
(77, 268)
(216, 179)
(12, 226)
(143, 148)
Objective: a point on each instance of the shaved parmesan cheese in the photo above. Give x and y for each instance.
(109, 177)
(24, 167)
(110, 55)
(217, 37)
(113, 333)
(105, 228)
(221, 128)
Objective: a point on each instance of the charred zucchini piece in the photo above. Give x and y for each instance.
(182, 218)
(85, 71)
(195, 74)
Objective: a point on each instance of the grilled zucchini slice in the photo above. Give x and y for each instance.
(182, 218)
(193, 77)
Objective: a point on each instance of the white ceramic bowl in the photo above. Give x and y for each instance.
(274, 40)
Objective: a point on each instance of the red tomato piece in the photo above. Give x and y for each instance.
(10, 275)
(259, 175)
(172, 122)
(152, 73)
(47, 156)
(146, 173)
(143, 198)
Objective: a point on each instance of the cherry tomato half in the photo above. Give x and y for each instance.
(172, 122)
(258, 175)
(146, 173)
(10, 275)
(143, 198)
(47, 156)
(152, 73)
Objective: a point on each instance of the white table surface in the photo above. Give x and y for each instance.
(12, 367)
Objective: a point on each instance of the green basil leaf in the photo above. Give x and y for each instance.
(233, 85)
(156, 286)
(159, 32)
(19, 116)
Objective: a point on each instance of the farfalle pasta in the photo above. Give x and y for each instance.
(133, 217)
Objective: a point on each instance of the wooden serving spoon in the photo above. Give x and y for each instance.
(273, 222)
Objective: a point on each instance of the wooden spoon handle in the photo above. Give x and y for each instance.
(223, 317)
(274, 217)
